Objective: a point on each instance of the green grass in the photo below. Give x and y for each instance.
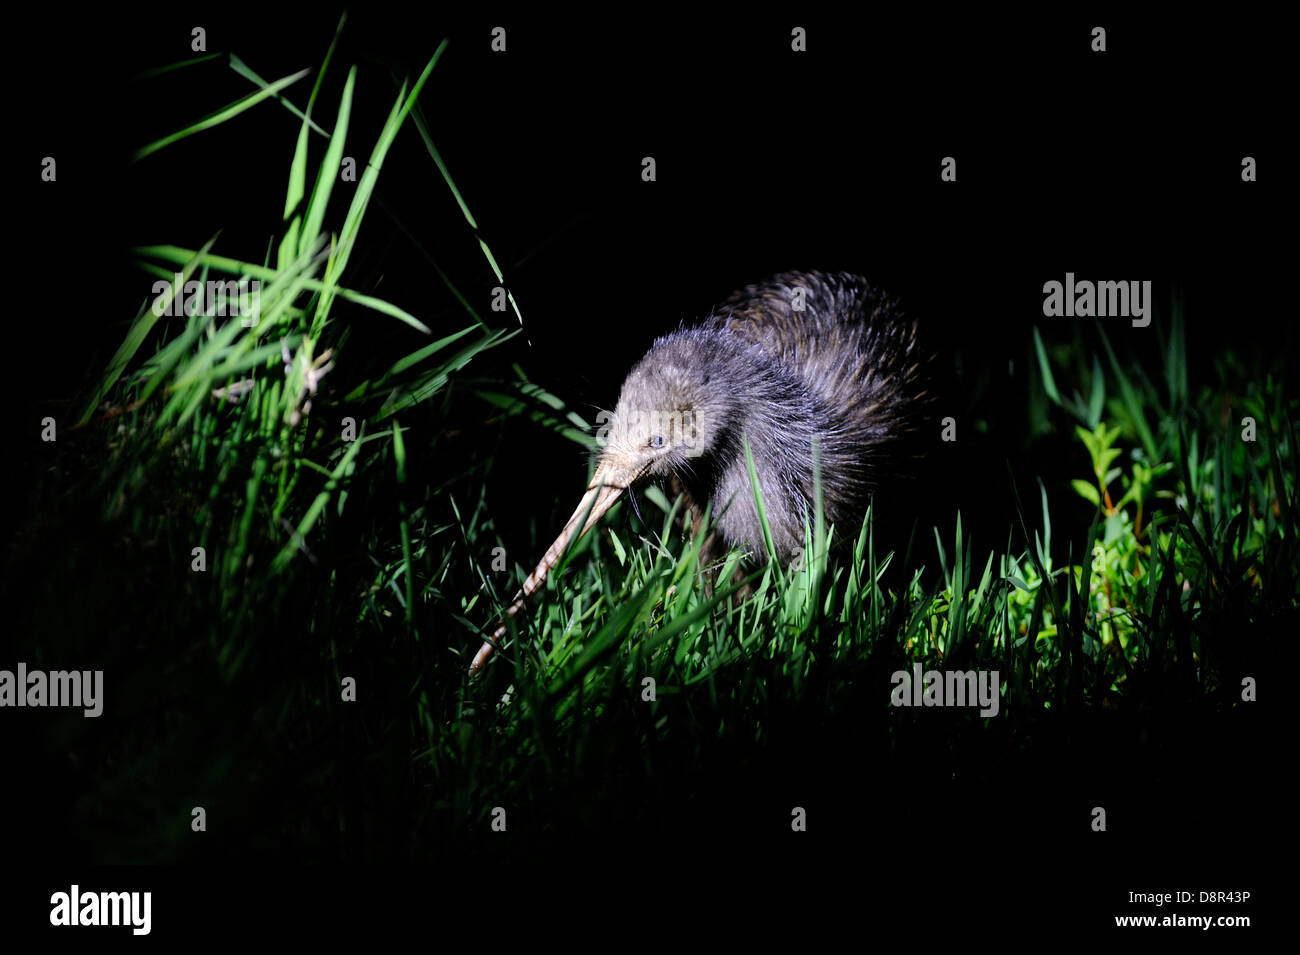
(1188, 556)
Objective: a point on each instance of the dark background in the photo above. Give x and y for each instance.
(1123, 165)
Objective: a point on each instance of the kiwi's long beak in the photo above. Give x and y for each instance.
(607, 485)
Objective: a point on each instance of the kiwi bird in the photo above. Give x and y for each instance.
(804, 367)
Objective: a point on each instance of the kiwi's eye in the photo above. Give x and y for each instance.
(657, 441)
